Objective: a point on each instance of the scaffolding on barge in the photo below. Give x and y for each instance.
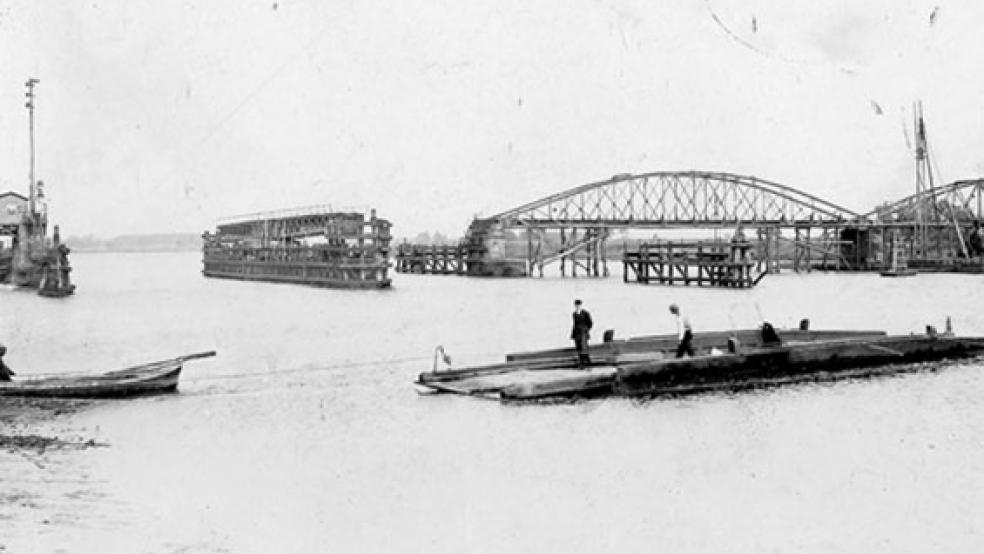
(315, 246)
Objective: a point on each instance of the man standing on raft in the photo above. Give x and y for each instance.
(684, 333)
(580, 334)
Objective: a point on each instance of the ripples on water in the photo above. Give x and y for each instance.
(305, 435)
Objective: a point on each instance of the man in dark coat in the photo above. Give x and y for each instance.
(580, 334)
(5, 372)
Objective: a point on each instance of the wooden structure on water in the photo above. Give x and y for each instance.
(29, 257)
(713, 264)
(482, 253)
(438, 259)
(312, 246)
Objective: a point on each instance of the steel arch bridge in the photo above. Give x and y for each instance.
(677, 199)
(792, 227)
(574, 226)
(960, 200)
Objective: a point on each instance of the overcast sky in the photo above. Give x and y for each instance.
(162, 116)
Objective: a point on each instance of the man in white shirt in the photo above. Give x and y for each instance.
(684, 333)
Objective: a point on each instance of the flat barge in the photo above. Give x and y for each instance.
(725, 361)
(316, 246)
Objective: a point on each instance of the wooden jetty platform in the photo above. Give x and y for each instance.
(312, 246)
(713, 264)
(647, 366)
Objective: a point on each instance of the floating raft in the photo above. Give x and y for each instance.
(791, 362)
(643, 348)
(647, 366)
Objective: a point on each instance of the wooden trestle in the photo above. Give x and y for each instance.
(441, 259)
(714, 264)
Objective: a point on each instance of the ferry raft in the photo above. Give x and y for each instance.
(728, 360)
(152, 378)
(312, 246)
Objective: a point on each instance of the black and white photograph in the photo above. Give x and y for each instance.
(581, 276)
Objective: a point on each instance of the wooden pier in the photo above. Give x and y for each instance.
(712, 264)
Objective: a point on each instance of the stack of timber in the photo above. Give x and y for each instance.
(714, 264)
(725, 360)
(311, 246)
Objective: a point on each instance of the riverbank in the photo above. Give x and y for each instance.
(22, 419)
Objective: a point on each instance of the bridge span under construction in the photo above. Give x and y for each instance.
(936, 229)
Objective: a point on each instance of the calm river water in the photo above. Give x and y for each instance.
(304, 434)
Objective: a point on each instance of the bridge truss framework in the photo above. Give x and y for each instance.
(800, 230)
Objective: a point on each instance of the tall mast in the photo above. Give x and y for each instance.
(30, 117)
(924, 173)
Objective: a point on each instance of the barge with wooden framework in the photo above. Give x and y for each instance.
(317, 246)
(724, 361)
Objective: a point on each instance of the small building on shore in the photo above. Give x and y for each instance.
(13, 206)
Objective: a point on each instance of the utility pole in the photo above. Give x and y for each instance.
(30, 115)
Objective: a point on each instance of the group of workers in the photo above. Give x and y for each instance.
(581, 331)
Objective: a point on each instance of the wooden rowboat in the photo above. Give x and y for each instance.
(150, 378)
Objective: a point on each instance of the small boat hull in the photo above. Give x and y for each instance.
(153, 378)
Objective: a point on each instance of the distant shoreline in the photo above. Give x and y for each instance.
(161, 242)
(131, 250)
